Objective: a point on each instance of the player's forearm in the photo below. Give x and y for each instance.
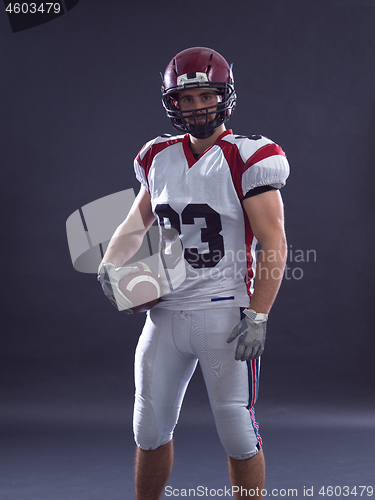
(269, 274)
(122, 247)
(129, 235)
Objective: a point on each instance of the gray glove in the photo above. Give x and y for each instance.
(109, 277)
(251, 331)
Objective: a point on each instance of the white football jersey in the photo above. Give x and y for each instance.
(201, 199)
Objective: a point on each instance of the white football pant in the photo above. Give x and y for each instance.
(171, 344)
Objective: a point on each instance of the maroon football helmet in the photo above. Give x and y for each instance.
(198, 67)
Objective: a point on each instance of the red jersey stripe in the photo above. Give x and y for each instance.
(263, 153)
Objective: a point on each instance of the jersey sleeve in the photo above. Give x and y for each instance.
(141, 164)
(144, 159)
(267, 166)
(140, 174)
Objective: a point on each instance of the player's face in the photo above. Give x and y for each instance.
(196, 99)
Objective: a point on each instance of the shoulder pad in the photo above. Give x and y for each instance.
(158, 140)
(247, 145)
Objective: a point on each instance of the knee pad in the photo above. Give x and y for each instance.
(238, 431)
(148, 435)
(147, 439)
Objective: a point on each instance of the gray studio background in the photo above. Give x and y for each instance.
(81, 95)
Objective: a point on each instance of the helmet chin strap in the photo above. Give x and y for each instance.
(205, 134)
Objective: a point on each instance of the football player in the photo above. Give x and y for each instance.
(220, 192)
